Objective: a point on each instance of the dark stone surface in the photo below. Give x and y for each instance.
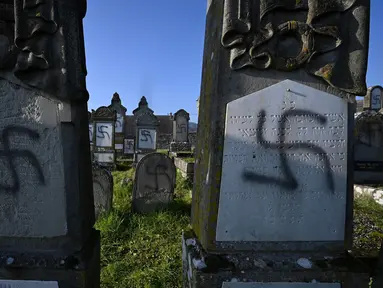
(221, 85)
(154, 182)
(322, 48)
(102, 190)
(368, 157)
(81, 269)
(180, 146)
(205, 270)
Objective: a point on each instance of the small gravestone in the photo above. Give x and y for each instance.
(128, 146)
(104, 120)
(373, 98)
(146, 128)
(102, 190)
(154, 183)
(180, 132)
(368, 147)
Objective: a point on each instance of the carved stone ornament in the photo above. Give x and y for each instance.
(181, 113)
(259, 34)
(146, 118)
(34, 48)
(104, 112)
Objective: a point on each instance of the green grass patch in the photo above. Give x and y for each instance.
(143, 250)
(368, 226)
(163, 151)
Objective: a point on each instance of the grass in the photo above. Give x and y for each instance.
(368, 226)
(143, 250)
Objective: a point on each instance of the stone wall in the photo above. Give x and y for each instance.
(163, 140)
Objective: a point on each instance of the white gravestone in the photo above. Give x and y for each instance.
(104, 134)
(284, 172)
(376, 98)
(147, 139)
(279, 285)
(128, 146)
(119, 123)
(31, 164)
(28, 284)
(91, 133)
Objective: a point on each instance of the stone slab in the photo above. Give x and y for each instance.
(28, 284)
(119, 123)
(202, 269)
(104, 134)
(299, 196)
(91, 133)
(279, 285)
(102, 190)
(104, 157)
(128, 146)
(368, 156)
(154, 183)
(31, 165)
(119, 146)
(147, 139)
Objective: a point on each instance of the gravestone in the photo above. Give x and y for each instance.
(274, 154)
(373, 98)
(47, 213)
(90, 127)
(103, 137)
(146, 129)
(128, 146)
(119, 125)
(154, 183)
(368, 156)
(180, 132)
(102, 190)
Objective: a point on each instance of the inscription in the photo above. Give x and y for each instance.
(160, 169)
(11, 154)
(289, 181)
(181, 128)
(104, 134)
(372, 166)
(146, 136)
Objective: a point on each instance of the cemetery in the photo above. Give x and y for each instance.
(281, 186)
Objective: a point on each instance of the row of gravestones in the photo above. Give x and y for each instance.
(368, 145)
(153, 188)
(108, 140)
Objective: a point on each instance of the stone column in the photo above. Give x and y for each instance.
(47, 211)
(273, 185)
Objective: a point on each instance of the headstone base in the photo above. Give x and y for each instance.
(204, 270)
(81, 270)
(180, 146)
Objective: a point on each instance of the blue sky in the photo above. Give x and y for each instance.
(154, 48)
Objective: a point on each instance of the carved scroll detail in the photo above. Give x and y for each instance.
(37, 47)
(252, 42)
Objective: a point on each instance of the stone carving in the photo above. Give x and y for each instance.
(154, 182)
(102, 189)
(104, 112)
(325, 48)
(32, 46)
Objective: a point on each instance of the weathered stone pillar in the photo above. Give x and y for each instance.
(273, 185)
(47, 212)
